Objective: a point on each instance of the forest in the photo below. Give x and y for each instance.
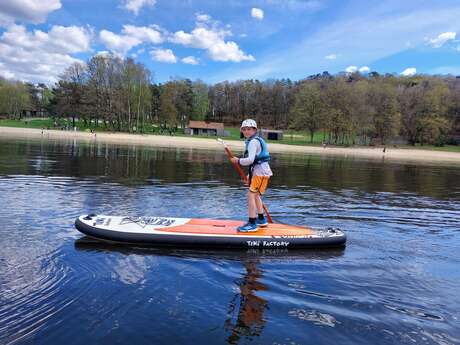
(346, 108)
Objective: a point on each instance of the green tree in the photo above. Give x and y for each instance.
(168, 115)
(308, 110)
(200, 100)
(384, 111)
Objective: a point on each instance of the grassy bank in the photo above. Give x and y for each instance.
(290, 137)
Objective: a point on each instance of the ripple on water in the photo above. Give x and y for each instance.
(31, 294)
(395, 282)
(317, 318)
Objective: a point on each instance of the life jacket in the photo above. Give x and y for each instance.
(263, 156)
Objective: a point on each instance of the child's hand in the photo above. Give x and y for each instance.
(235, 160)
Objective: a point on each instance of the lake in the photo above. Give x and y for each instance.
(396, 281)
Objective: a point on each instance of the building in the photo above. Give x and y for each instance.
(205, 128)
(271, 134)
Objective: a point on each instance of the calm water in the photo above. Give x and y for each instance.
(396, 282)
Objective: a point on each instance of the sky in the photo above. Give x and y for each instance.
(231, 40)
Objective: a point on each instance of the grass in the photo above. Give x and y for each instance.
(35, 123)
(290, 137)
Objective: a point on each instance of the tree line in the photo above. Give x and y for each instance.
(119, 94)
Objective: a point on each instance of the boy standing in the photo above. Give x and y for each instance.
(256, 157)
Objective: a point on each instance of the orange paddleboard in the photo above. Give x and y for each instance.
(204, 232)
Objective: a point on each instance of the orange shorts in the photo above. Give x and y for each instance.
(259, 184)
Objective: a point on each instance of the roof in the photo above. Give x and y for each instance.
(207, 125)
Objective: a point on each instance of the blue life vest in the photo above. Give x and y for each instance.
(263, 156)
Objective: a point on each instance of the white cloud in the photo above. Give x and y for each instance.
(38, 55)
(26, 10)
(207, 35)
(351, 69)
(228, 51)
(201, 17)
(409, 72)
(163, 55)
(59, 39)
(103, 53)
(190, 60)
(119, 44)
(135, 5)
(143, 33)
(443, 38)
(386, 34)
(131, 36)
(331, 57)
(257, 13)
(211, 39)
(5, 73)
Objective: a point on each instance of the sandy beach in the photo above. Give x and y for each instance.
(390, 154)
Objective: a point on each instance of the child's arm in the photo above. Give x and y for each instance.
(252, 151)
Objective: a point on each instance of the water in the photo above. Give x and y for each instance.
(396, 282)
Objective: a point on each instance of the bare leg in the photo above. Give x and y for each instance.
(252, 206)
(259, 204)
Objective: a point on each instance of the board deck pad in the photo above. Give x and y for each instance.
(201, 231)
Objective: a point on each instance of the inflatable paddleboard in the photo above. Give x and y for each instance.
(198, 232)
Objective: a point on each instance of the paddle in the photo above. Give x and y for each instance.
(242, 174)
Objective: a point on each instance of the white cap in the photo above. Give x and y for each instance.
(248, 123)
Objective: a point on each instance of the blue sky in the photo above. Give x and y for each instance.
(230, 40)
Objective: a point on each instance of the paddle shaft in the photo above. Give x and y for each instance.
(245, 179)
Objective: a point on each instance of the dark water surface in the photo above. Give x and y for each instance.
(396, 282)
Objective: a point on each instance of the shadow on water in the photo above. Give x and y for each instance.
(245, 312)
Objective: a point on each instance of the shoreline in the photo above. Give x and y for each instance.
(374, 153)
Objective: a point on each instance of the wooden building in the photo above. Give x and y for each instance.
(205, 128)
(271, 134)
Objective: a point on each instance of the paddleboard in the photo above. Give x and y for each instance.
(199, 232)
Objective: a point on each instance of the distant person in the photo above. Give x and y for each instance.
(256, 157)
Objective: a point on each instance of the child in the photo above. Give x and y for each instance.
(256, 157)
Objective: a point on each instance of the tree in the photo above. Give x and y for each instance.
(200, 100)
(69, 92)
(308, 110)
(385, 111)
(424, 106)
(168, 111)
(14, 98)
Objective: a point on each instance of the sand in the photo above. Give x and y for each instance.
(390, 154)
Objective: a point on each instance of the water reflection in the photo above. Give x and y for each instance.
(136, 165)
(396, 282)
(245, 318)
(246, 309)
